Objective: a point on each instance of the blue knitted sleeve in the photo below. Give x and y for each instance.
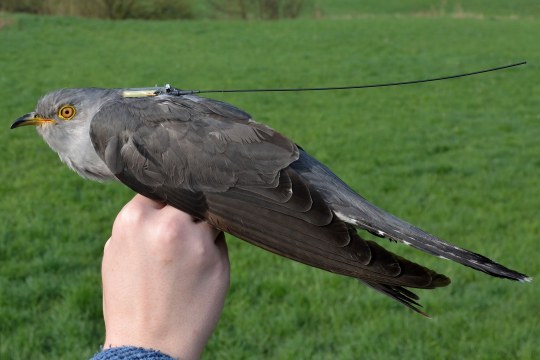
(129, 353)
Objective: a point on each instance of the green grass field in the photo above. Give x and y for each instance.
(459, 158)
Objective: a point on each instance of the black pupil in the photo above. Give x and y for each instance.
(67, 112)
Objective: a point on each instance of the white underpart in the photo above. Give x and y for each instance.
(75, 149)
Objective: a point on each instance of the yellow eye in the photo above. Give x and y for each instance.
(66, 112)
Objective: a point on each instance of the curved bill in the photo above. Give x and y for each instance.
(30, 119)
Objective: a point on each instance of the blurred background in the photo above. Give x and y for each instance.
(459, 158)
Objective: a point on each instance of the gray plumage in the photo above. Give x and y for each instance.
(211, 160)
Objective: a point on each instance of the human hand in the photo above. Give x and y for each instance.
(165, 278)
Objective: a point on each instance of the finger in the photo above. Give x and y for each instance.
(204, 226)
(173, 212)
(106, 245)
(220, 235)
(221, 244)
(144, 201)
(138, 210)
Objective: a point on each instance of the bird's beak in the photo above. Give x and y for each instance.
(30, 119)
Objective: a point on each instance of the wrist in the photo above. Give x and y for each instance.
(177, 346)
(130, 352)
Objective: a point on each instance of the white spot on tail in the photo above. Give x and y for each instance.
(346, 218)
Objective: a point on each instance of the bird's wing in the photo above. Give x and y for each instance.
(211, 160)
(189, 142)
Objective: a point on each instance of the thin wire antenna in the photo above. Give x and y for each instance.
(173, 91)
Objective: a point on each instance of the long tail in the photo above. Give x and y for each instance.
(356, 210)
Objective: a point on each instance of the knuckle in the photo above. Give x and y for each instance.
(131, 215)
(168, 228)
(170, 237)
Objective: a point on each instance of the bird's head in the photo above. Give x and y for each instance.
(73, 106)
(63, 119)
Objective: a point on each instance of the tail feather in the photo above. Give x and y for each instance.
(384, 224)
(356, 210)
